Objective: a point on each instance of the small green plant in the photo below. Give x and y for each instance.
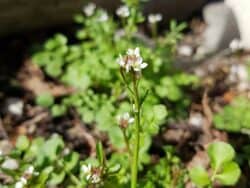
(102, 93)
(167, 173)
(223, 169)
(88, 66)
(34, 164)
(235, 117)
(43, 163)
(130, 67)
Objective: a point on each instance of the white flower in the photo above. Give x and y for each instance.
(66, 151)
(125, 119)
(103, 17)
(1, 153)
(123, 11)
(30, 171)
(89, 9)
(92, 174)
(154, 18)
(95, 178)
(132, 60)
(236, 45)
(86, 169)
(21, 183)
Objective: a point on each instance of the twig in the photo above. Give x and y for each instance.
(35, 119)
(3, 131)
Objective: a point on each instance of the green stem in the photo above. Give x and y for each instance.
(134, 169)
(126, 141)
(154, 31)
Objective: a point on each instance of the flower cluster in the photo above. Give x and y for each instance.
(89, 9)
(21, 183)
(28, 173)
(132, 61)
(93, 175)
(103, 17)
(124, 120)
(154, 18)
(123, 11)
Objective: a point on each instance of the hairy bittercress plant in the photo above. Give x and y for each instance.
(100, 94)
(223, 169)
(131, 66)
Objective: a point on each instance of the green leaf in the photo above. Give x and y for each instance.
(220, 153)
(45, 100)
(57, 178)
(43, 177)
(114, 169)
(35, 148)
(71, 161)
(58, 110)
(199, 176)
(160, 112)
(22, 143)
(100, 153)
(229, 174)
(55, 144)
(41, 58)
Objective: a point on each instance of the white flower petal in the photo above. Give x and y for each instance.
(131, 120)
(19, 185)
(126, 116)
(137, 52)
(30, 170)
(23, 180)
(88, 177)
(143, 65)
(89, 9)
(130, 52)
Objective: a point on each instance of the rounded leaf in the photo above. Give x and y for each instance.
(220, 153)
(22, 143)
(199, 176)
(230, 174)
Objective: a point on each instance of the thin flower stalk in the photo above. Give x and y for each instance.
(132, 64)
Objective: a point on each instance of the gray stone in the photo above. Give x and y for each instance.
(14, 106)
(241, 9)
(10, 164)
(221, 27)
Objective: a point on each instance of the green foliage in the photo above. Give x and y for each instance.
(224, 169)
(56, 165)
(168, 172)
(52, 165)
(45, 100)
(234, 117)
(89, 65)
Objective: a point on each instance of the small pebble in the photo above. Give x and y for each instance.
(185, 50)
(196, 119)
(10, 164)
(14, 106)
